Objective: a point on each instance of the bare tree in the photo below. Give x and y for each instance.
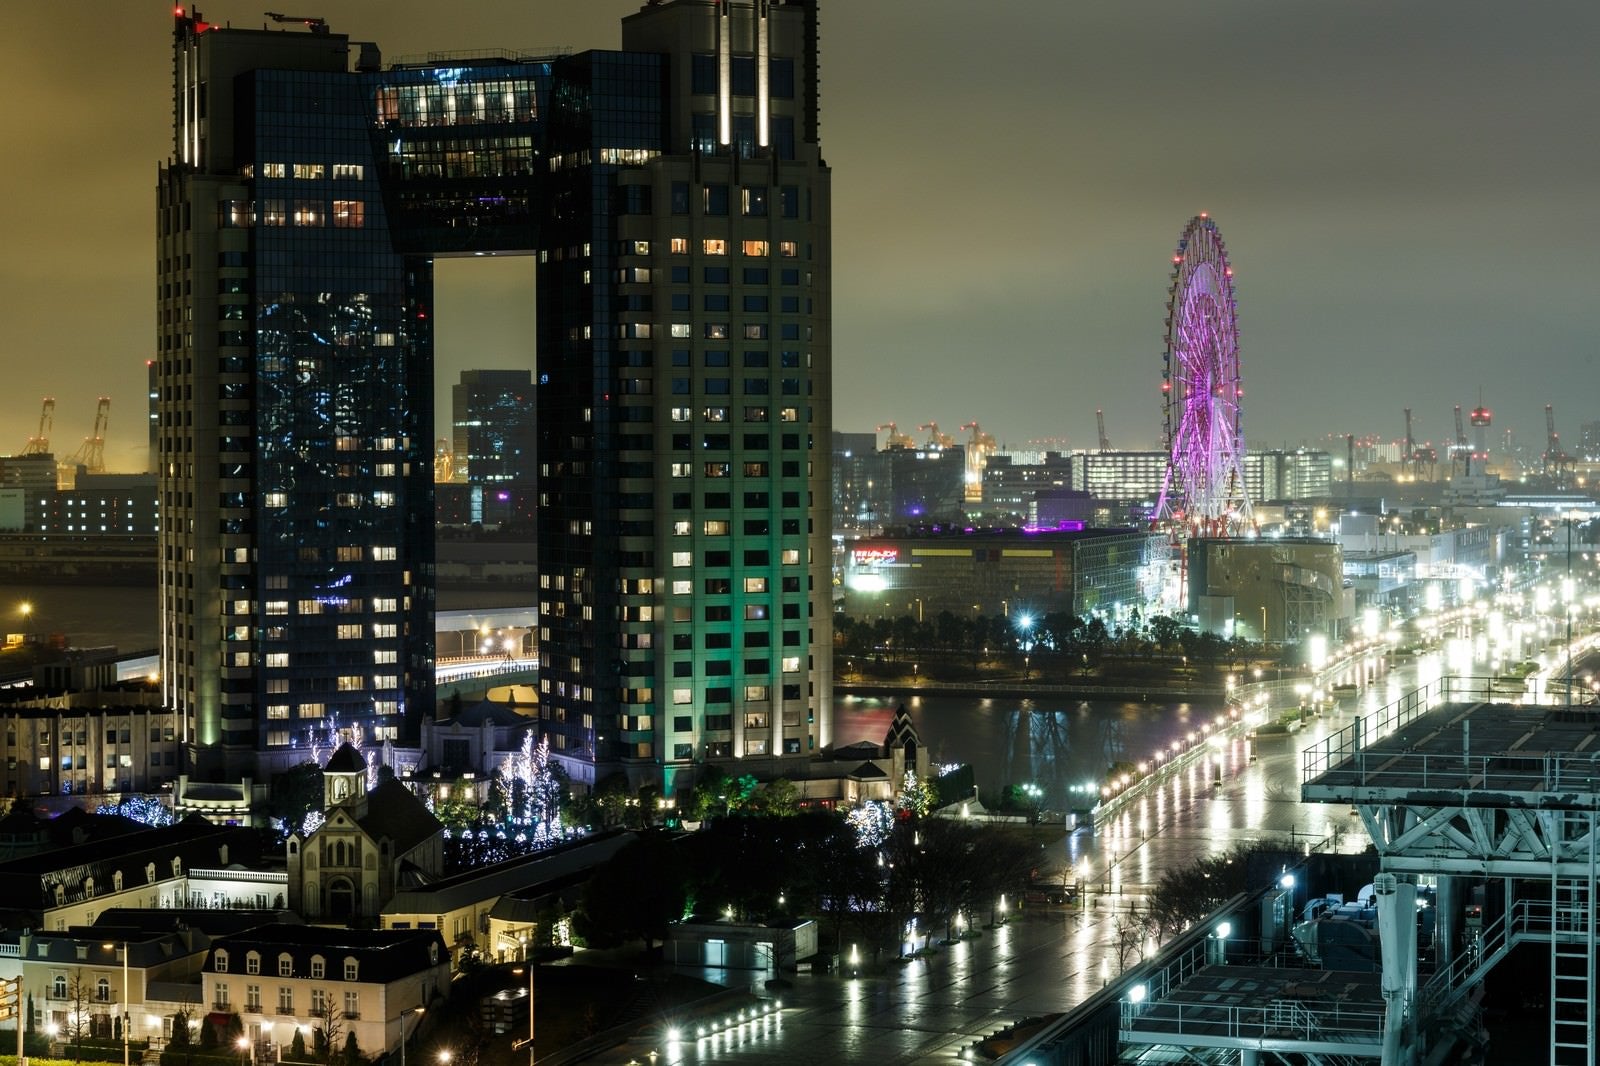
(330, 1026)
(80, 994)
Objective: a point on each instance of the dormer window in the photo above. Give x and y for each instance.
(319, 967)
(350, 969)
(252, 962)
(285, 966)
(219, 961)
(116, 881)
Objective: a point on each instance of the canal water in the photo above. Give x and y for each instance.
(1062, 745)
(1053, 742)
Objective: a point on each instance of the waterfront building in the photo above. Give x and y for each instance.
(1009, 573)
(1281, 589)
(676, 199)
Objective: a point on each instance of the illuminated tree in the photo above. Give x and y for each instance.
(148, 810)
(917, 797)
(531, 791)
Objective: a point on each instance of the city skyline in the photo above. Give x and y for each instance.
(1404, 193)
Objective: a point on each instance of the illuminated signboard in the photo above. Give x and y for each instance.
(867, 556)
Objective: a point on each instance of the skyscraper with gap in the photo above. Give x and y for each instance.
(677, 202)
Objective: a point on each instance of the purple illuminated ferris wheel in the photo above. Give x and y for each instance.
(1201, 390)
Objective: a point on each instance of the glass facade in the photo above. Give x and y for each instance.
(683, 504)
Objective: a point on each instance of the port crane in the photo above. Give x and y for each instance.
(937, 439)
(91, 454)
(895, 439)
(310, 22)
(39, 444)
(1557, 462)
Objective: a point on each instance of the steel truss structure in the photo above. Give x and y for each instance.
(1489, 795)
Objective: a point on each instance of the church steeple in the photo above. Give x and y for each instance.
(344, 779)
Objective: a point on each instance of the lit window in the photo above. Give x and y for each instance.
(716, 527)
(274, 170)
(682, 558)
(308, 171)
(714, 246)
(308, 213)
(756, 248)
(755, 584)
(791, 664)
(791, 556)
(682, 695)
(680, 414)
(682, 588)
(349, 214)
(348, 170)
(788, 249)
(680, 246)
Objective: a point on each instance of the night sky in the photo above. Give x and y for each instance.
(1407, 191)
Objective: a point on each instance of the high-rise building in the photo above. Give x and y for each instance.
(676, 198)
(685, 395)
(493, 442)
(492, 426)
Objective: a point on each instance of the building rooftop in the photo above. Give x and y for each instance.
(1268, 1008)
(1438, 748)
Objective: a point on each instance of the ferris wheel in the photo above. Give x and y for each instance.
(1201, 390)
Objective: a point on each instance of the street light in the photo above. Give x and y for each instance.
(243, 1044)
(419, 1010)
(127, 1015)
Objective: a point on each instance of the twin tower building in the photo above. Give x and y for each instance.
(674, 197)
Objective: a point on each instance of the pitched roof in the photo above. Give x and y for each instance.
(535, 873)
(394, 812)
(868, 771)
(346, 760)
(493, 712)
(382, 956)
(901, 731)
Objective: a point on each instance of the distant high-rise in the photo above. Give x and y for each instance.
(493, 441)
(677, 202)
(492, 426)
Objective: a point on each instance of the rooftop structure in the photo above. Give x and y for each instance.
(1472, 782)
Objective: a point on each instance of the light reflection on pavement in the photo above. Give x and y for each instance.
(1047, 960)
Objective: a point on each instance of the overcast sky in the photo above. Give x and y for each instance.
(1408, 193)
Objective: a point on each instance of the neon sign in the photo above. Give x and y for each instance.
(868, 556)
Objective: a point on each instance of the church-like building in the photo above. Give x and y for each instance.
(369, 845)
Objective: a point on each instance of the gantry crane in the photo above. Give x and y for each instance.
(1100, 421)
(1462, 452)
(895, 439)
(91, 454)
(937, 439)
(1408, 458)
(40, 444)
(979, 448)
(444, 462)
(1556, 460)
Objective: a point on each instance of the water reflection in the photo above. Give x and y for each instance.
(1064, 746)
